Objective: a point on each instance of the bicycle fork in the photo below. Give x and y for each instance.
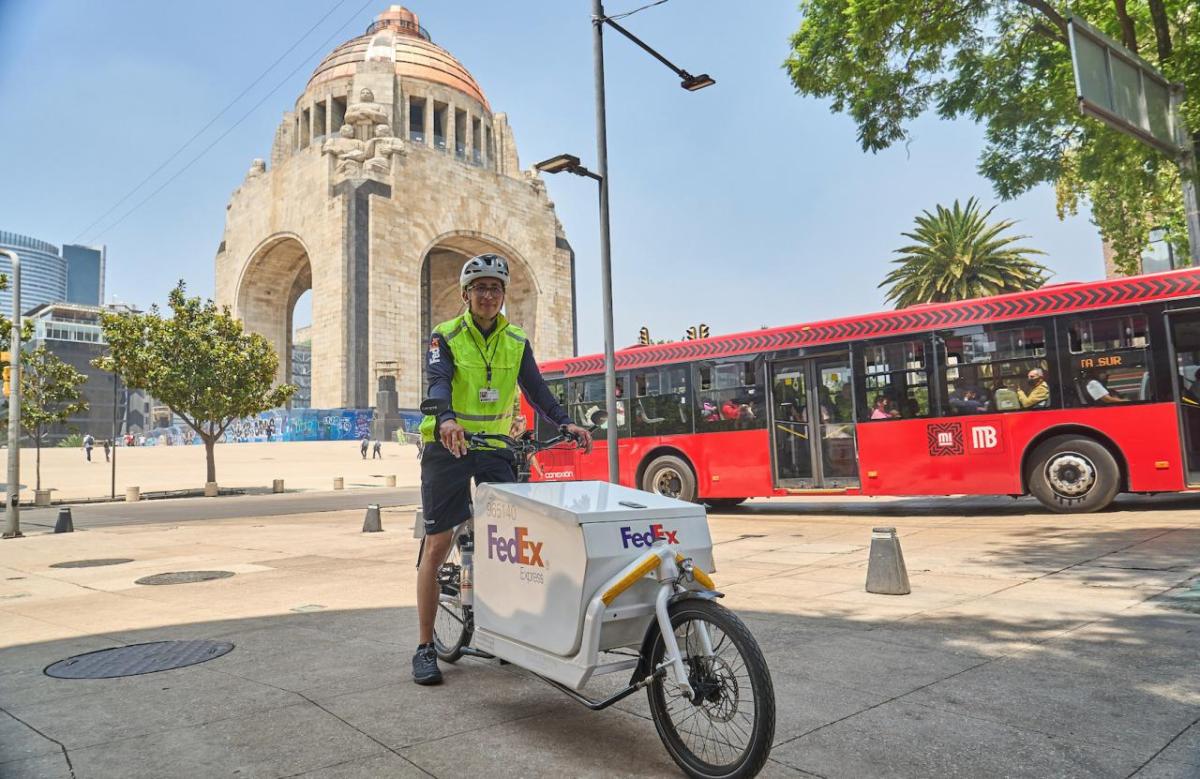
(667, 567)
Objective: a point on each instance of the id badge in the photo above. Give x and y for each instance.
(489, 395)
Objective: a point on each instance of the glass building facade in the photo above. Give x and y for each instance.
(85, 274)
(43, 272)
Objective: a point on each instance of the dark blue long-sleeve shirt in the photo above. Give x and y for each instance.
(439, 362)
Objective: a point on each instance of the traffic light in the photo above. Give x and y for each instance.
(691, 333)
(7, 381)
(644, 336)
(704, 331)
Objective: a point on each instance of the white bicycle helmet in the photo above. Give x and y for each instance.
(485, 266)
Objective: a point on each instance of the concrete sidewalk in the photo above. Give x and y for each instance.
(1032, 645)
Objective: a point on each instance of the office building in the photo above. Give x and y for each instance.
(43, 272)
(85, 274)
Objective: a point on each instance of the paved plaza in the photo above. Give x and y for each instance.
(306, 465)
(1032, 645)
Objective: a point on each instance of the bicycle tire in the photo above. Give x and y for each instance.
(721, 679)
(453, 619)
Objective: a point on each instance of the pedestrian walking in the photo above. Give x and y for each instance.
(106, 447)
(363, 449)
(88, 443)
(377, 450)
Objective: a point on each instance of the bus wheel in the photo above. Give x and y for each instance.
(670, 476)
(1073, 475)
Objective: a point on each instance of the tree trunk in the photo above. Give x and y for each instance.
(209, 442)
(1162, 31)
(37, 443)
(1128, 36)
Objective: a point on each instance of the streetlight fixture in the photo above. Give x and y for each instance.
(565, 162)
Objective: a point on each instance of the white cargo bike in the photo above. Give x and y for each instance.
(572, 580)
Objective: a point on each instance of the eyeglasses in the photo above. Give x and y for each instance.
(488, 291)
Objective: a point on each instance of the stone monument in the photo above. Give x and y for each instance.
(388, 173)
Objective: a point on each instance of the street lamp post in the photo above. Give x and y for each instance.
(12, 513)
(566, 163)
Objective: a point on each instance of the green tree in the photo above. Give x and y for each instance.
(1006, 64)
(957, 255)
(200, 362)
(49, 396)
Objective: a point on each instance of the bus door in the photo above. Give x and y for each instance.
(1185, 346)
(812, 423)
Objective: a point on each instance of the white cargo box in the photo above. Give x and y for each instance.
(543, 550)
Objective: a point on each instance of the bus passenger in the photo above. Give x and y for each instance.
(966, 401)
(1039, 390)
(1097, 389)
(883, 408)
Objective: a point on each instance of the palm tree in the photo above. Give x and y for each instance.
(957, 255)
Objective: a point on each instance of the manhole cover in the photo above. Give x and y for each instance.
(184, 577)
(93, 563)
(137, 659)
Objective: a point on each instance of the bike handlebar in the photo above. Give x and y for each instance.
(484, 441)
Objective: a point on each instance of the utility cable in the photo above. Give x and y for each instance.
(211, 122)
(635, 10)
(320, 48)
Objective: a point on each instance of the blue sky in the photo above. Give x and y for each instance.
(741, 205)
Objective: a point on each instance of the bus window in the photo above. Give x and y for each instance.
(1110, 361)
(989, 369)
(897, 381)
(545, 428)
(729, 395)
(660, 405)
(588, 407)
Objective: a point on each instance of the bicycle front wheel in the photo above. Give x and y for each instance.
(725, 730)
(452, 624)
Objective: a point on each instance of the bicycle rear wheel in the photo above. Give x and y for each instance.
(726, 730)
(452, 624)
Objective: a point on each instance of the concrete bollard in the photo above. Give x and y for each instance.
(41, 497)
(211, 490)
(338, 483)
(372, 523)
(64, 523)
(419, 524)
(133, 494)
(886, 574)
(389, 481)
(277, 485)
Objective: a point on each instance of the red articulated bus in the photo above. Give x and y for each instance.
(939, 399)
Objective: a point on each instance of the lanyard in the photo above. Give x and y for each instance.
(487, 363)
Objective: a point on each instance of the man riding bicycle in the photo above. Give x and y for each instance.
(475, 363)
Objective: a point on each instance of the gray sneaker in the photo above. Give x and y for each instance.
(425, 667)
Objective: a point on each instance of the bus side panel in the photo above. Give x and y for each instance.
(935, 457)
(1147, 435)
(981, 455)
(733, 464)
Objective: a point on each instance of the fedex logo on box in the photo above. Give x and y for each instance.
(517, 550)
(630, 537)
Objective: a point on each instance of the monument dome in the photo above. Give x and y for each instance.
(396, 35)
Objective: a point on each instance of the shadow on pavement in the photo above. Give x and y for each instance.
(327, 693)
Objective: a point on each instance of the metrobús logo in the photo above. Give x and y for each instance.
(635, 538)
(518, 550)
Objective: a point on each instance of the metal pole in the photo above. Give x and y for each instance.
(1187, 175)
(12, 514)
(113, 440)
(610, 365)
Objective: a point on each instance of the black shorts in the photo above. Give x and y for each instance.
(446, 483)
